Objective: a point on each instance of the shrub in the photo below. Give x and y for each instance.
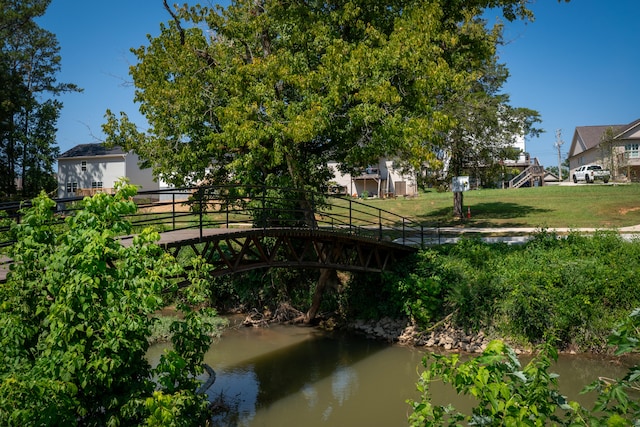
(575, 288)
(76, 317)
(506, 393)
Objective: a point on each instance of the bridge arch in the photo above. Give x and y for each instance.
(239, 228)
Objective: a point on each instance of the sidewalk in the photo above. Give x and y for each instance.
(509, 235)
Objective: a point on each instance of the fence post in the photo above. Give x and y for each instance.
(314, 225)
(173, 211)
(264, 207)
(404, 236)
(350, 218)
(379, 225)
(201, 212)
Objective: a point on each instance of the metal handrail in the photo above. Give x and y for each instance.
(526, 174)
(256, 207)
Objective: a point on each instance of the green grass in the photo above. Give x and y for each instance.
(596, 206)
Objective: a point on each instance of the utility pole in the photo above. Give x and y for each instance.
(558, 144)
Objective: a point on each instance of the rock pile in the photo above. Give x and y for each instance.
(405, 332)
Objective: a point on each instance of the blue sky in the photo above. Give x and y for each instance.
(575, 64)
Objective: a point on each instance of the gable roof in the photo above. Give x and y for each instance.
(628, 128)
(92, 150)
(590, 136)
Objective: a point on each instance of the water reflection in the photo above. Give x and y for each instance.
(300, 369)
(291, 376)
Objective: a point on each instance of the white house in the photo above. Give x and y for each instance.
(379, 180)
(89, 168)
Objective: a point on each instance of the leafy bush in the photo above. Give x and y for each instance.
(423, 290)
(75, 319)
(575, 288)
(506, 393)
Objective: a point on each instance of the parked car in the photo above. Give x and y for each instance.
(591, 173)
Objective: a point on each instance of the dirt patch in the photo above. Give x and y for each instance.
(624, 211)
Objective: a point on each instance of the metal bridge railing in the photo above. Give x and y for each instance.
(239, 206)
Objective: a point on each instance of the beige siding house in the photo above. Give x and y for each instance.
(614, 147)
(377, 180)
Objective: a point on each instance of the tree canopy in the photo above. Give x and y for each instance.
(266, 91)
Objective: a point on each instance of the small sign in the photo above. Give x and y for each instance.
(460, 184)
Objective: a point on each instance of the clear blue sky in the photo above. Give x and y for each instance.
(577, 64)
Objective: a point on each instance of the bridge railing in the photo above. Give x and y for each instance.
(275, 207)
(238, 206)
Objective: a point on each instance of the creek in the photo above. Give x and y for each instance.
(291, 376)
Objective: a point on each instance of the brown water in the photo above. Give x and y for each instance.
(292, 376)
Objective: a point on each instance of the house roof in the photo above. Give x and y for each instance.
(92, 150)
(590, 136)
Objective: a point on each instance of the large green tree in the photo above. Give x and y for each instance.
(29, 62)
(269, 91)
(266, 91)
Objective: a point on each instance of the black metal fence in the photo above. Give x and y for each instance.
(234, 206)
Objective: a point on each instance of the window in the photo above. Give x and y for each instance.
(83, 165)
(72, 187)
(631, 151)
(96, 185)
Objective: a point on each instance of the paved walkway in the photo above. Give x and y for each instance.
(511, 235)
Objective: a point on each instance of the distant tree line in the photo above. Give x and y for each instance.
(29, 61)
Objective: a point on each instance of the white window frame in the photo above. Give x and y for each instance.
(72, 187)
(632, 151)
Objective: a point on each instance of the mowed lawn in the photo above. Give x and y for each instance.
(571, 206)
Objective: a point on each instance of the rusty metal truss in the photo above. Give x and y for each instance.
(234, 252)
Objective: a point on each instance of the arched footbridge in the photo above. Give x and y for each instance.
(241, 228)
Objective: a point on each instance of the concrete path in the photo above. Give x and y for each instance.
(513, 235)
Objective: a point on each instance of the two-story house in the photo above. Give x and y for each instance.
(378, 180)
(614, 147)
(89, 168)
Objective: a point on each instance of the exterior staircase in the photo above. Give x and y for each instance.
(529, 175)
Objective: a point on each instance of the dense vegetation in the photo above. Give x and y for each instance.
(575, 288)
(29, 108)
(76, 316)
(507, 394)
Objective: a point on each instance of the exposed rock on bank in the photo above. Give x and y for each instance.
(405, 332)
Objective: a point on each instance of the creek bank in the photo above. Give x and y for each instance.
(401, 331)
(405, 332)
(443, 335)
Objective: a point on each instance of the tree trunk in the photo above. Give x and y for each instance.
(328, 276)
(458, 205)
(306, 205)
